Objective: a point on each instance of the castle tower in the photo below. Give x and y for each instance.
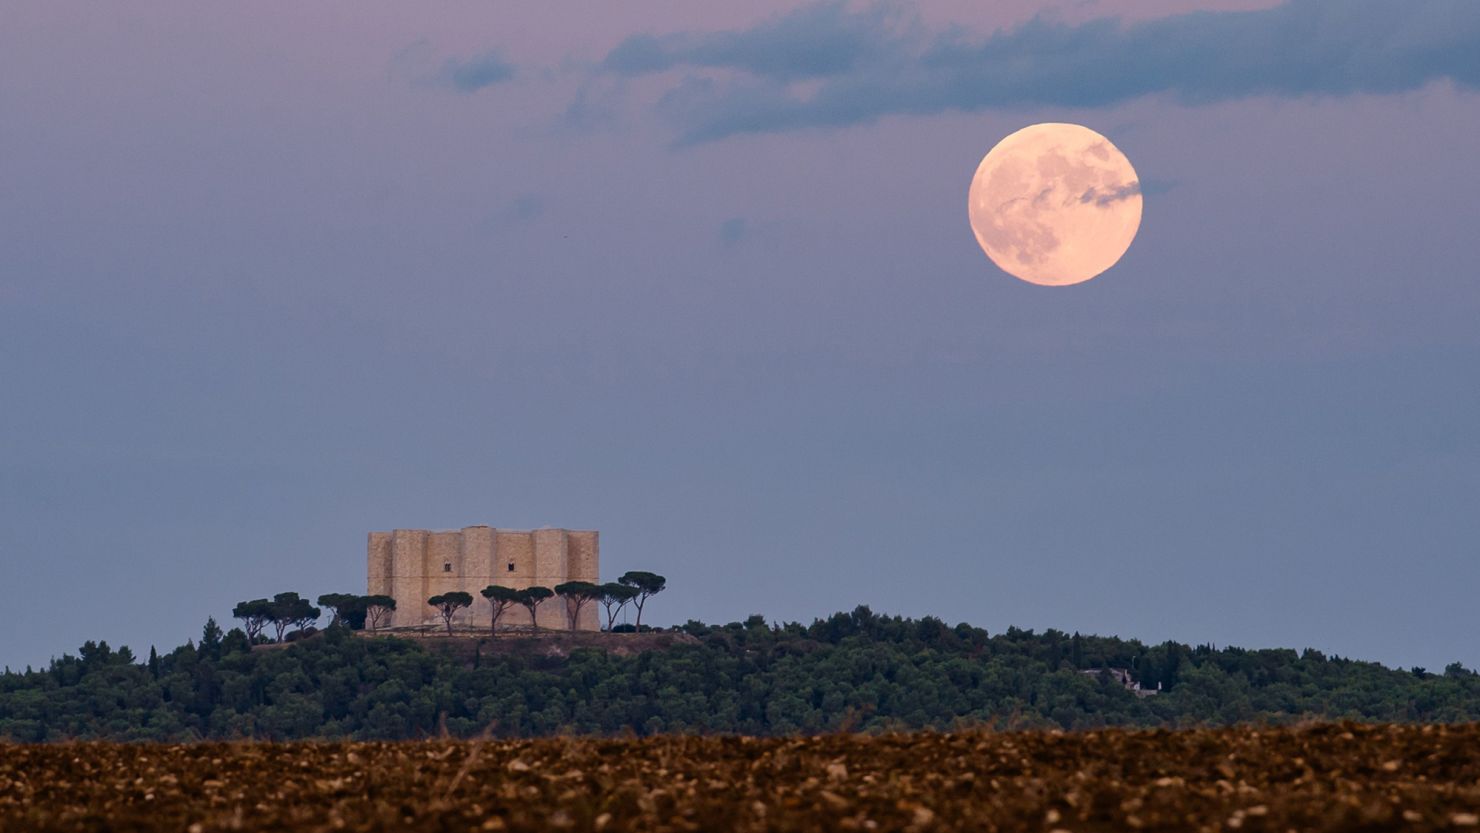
(412, 565)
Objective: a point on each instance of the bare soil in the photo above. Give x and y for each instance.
(1327, 777)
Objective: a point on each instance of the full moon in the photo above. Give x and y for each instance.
(1055, 204)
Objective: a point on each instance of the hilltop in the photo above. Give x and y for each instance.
(851, 671)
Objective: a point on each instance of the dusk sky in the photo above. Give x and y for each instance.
(700, 276)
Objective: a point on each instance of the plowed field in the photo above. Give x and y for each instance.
(1342, 777)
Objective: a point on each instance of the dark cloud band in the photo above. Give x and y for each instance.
(870, 63)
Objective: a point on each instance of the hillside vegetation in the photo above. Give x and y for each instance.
(852, 671)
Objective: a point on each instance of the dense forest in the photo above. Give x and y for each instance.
(852, 671)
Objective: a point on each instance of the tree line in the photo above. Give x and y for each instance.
(857, 671)
(372, 612)
(634, 587)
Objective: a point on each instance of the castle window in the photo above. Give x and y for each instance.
(511, 566)
(447, 566)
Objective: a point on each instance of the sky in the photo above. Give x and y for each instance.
(700, 277)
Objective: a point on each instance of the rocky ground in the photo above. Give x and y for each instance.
(1329, 777)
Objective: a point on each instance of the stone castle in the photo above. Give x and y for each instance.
(413, 565)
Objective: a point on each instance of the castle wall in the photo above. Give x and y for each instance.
(443, 565)
(408, 575)
(550, 570)
(477, 567)
(516, 550)
(379, 568)
(584, 565)
(412, 565)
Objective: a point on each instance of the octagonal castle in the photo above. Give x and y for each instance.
(413, 565)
